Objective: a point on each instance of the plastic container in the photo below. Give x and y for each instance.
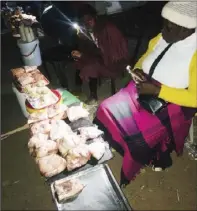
(30, 52)
(31, 110)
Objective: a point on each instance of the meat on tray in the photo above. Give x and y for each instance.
(67, 189)
(39, 146)
(90, 132)
(29, 68)
(25, 78)
(17, 72)
(97, 149)
(69, 141)
(77, 112)
(51, 165)
(59, 129)
(78, 157)
(41, 127)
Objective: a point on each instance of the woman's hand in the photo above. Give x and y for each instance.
(76, 54)
(138, 76)
(147, 88)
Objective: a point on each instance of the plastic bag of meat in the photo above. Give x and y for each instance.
(78, 157)
(56, 109)
(25, 79)
(90, 132)
(69, 141)
(17, 72)
(97, 149)
(37, 116)
(62, 115)
(37, 140)
(41, 127)
(77, 112)
(83, 122)
(67, 189)
(40, 147)
(59, 129)
(51, 165)
(30, 68)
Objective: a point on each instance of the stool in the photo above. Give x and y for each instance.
(57, 56)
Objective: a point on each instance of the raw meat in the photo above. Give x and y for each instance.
(39, 146)
(56, 109)
(51, 165)
(77, 112)
(40, 97)
(97, 149)
(62, 115)
(90, 132)
(37, 140)
(67, 189)
(59, 129)
(30, 68)
(41, 127)
(68, 142)
(17, 72)
(25, 79)
(78, 157)
(83, 122)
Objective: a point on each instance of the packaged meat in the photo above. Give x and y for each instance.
(40, 97)
(37, 116)
(59, 129)
(97, 149)
(41, 127)
(90, 132)
(33, 77)
(39, 146)
(25, 79)
(62, 115)
(37, 140)
(48, 148)
(56, 109)
(77, 112)
(69, 141)
(78, 157)
(51, 165)
(82, 122)
(17, 72)
(42, 148)
(67, 189)
(30, 68)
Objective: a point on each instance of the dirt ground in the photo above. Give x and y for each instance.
(24, 189)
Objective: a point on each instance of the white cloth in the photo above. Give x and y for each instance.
(173, 69)
(181, 13)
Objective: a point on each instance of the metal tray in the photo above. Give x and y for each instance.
(101, 191)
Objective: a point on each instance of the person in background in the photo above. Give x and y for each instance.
(102, 50)
(168, 72)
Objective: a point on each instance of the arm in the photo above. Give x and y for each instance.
(183, 97)
(138, 65)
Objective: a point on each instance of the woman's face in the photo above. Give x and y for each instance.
(89, 22)
(171, 32)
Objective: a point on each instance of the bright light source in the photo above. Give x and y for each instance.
(76, 26)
